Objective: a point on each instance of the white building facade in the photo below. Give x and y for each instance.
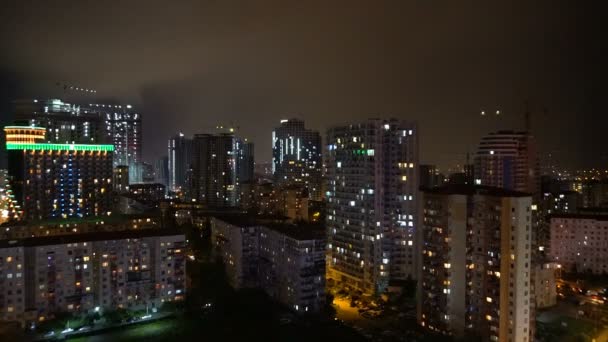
(372, 203)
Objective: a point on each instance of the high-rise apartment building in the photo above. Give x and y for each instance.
(161, 171)
(179, 160)
(65, 123)
(214, 170)
(244, 161)
(296, 156)
(124, 131)
(58, 180)
(509, 160)
(372, 203)
(476, 270)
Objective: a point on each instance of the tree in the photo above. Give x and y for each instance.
(116, 316)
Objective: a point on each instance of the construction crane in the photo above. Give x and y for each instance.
(70, 87)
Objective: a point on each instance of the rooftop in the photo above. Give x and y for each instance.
(469, 189)
(112, 219)
(299, 231)
(88, 237)
(582, 216)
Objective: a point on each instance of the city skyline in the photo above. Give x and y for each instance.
(397, 65)
(288, 170)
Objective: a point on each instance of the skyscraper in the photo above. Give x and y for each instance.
(244, 160)
(508, 159)
(296, 156)
(58, 180)
(124, 131)
(179, 161)
(161, 170)
(214, 169)
(476, 270)
(65, 123)
(372, 196)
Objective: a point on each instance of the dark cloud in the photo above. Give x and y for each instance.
(192, 64)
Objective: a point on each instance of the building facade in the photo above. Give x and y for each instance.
(286, 261)
(429, 176)
(58, 180)
(545, 285)
(42, 276)
(214, 170)
(124, 131)
(121, 178)
(179, 161)
(65, 123)
(296, 157)
(476, 270)
(292, 202)
(151, 193)
(372, 203)
(245, 161)
(579, 242)
(161, 171)
(509, 160)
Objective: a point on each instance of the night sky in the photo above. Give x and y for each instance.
(189, 65)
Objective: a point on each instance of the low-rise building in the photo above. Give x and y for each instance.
(286, 261)
(134, 269)
(579, 242)
(149, 193)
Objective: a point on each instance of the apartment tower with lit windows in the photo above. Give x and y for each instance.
(476, 268)
(372, 203)
(509, 160)
(296, 157)
(52, 180)
(179, 162)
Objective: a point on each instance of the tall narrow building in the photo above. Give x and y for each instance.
(476, 269)
(372, 196)
(296, 157)
(214, 170)
(244, 161)
(124, 131)
(509, 160)
(161, 170)
(179, 162)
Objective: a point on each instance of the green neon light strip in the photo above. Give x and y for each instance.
(25, 127)
(59, 147)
